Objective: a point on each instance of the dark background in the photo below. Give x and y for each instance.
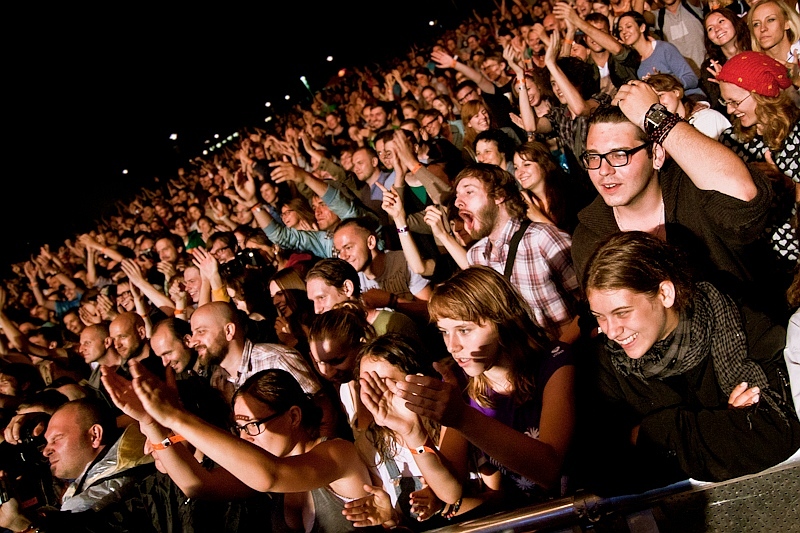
(92, 92)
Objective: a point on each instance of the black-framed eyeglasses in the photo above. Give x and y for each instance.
(426, 125)
(464, 98)
(615, 158)
(254, 428)
(733, 103)
(216, 252)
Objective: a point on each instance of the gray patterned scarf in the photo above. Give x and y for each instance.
(712, 326)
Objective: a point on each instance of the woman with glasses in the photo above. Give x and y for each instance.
(277, 450)
(766, 127)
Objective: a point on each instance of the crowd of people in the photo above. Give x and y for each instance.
(554, 250)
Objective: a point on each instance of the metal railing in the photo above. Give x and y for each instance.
(779, 483)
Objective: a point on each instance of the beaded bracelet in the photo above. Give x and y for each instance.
(452, 510)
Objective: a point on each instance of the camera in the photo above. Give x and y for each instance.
(28, 477)
(246, 259)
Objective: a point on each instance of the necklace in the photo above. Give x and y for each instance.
(659, 230)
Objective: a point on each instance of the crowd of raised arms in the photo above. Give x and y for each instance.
(555, 250)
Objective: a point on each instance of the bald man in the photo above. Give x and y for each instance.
(97, 348)
(101, 466)
(218, 336)
(129, 335)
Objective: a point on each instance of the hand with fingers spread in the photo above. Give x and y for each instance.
(374, 509)
(388, 410)
(205, 262)
(159, 399)
(443, 59)
(134, 272)
(283, 171)
(433, 398)
(121, 392)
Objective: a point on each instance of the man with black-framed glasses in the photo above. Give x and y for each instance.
(655, 173)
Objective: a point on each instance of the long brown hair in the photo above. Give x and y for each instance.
(742, 35)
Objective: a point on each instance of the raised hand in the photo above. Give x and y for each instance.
(435, 219)
(205, 262)
(386, 408)
(634, 99)
(283, 171)
(105, 307)
(392, 203)
(121, 392)
(432, 398)
(159, 399)
(443, 59)
(134, 272)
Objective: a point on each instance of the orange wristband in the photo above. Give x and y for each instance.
(166, 443)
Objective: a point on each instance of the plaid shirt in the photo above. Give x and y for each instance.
(258, 357)
(542, 273)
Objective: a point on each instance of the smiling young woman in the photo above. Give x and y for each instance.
(680, 390)
(766, 127)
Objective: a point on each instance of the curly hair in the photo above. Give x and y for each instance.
(776, 116)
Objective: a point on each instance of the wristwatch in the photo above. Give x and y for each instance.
(654, 117)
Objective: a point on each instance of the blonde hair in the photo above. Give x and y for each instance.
(776, 116)
(793, 33)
